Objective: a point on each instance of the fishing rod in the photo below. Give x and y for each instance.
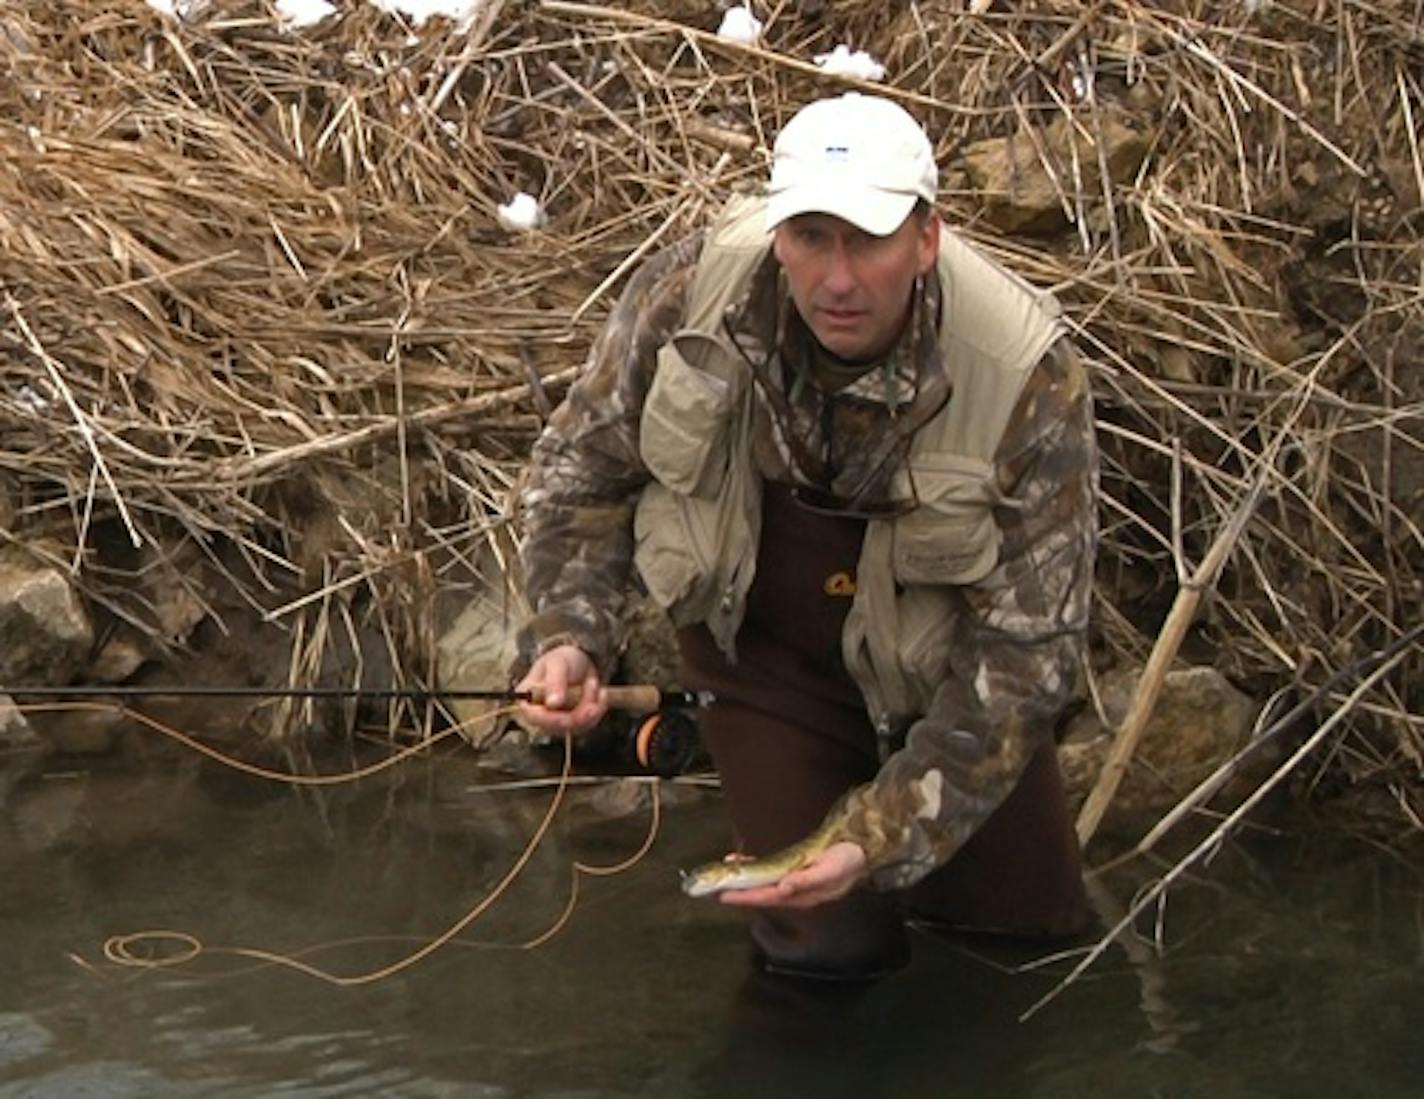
(661, 736)
(636, 698)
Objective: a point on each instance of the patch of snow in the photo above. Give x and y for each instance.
(521, 212)
(179, 9)
(462, 12)
(841, 61)
(740, 25)
(304, 13)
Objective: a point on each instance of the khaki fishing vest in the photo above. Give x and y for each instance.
(698, 521)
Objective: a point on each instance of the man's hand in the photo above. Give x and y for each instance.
(828, 877)
(555, 672)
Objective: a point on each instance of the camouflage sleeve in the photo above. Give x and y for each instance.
(586, 472)
(1016, 660)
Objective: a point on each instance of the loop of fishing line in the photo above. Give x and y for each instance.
(120, 949)
(143, 950)
(580, 868)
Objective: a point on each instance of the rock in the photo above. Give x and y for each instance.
(1199, 722)
(15, 731)
(475, 653)
(1019, 196)
(170, 578)
(119, 657)
(45, 632)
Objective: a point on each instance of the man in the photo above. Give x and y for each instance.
(855, 461)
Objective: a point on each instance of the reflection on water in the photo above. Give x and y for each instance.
(1300, 977)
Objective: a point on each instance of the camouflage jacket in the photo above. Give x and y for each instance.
(1023, 626)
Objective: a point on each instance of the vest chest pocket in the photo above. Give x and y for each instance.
(686, 418)
(670, 558)
(951, 538)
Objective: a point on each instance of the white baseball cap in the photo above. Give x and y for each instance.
(859, 157)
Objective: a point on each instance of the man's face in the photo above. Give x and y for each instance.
(851, 288)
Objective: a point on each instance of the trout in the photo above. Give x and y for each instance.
(735, 872)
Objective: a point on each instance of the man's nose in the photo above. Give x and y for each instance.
(840, 272)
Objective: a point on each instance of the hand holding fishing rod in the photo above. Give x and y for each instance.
(563, 695)
(566, 693)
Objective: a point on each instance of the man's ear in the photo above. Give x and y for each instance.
(928, 240)
(777, 235)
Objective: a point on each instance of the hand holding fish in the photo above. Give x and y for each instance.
(820, 868)
(826, 877)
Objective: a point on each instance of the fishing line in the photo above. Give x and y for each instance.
(289, 777)
(165, 948)
(581, 868)
(120, 949)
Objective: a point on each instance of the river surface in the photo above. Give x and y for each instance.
(1291, 968)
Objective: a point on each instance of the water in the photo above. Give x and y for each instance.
(1292, 968)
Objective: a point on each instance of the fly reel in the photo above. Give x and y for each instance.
(662, 743)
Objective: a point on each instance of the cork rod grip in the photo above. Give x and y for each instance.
(641, 697)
